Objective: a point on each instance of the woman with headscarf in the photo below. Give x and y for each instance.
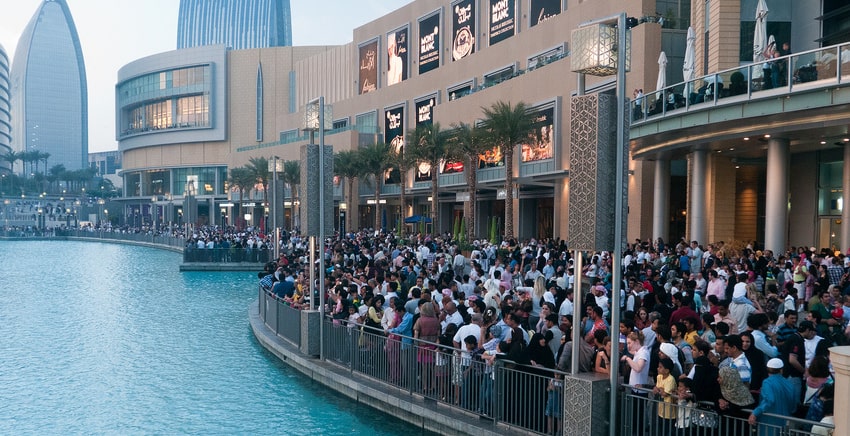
(734, 397)
(756, 359)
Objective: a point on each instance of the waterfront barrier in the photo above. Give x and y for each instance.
(498, 397)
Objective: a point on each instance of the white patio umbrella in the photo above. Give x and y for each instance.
(662, 72)
(689, 65)
(760, 37)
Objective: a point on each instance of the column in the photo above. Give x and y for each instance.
(661, 201)
(697, 207)
(776, 198)
(840, 358)
(845, 211)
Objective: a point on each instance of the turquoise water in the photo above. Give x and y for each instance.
(112, 339)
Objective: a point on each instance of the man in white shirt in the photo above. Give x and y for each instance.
(450, 315)
(567, 305)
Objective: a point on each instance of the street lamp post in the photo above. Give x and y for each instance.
(596, 44)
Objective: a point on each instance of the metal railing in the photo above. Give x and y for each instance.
(818, 68)
(280, 317)
(525, 398)
(646, 414)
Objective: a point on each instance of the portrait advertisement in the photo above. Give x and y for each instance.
(502, 20)
(491, 158)
(394, 136)
(368, 67)
(397, 49)
(542, 10)
(541, 145)
(463, 29)
(429, 43)
(424, 117)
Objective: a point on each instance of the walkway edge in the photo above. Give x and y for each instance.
(413, 410)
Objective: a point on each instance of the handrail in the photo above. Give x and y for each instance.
(840, 54)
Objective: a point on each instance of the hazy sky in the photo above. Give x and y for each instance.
(114, 33)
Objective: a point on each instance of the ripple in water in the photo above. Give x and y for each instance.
(113, 339)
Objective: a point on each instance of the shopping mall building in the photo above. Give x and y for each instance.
(738, 153)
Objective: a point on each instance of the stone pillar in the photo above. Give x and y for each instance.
(776, 198)
(661, 201)
(840, 357)
(845, 211)
(697, 206)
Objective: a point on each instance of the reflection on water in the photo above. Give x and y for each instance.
(102, 338)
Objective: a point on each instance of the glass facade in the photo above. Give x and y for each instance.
(210, 181)
(175, 99)
(49, 94)
(5, 108)
(238, 24)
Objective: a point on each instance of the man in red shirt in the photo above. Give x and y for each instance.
(683, 310)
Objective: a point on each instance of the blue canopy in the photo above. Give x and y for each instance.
(413, 219)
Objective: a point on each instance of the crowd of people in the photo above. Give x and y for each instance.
(742, 329)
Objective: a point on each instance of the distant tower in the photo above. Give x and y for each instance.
(238, 24)
(5, 110)
(49, 94)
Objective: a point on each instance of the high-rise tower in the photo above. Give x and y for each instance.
(5, 111)
(238, 24)
(48, 90)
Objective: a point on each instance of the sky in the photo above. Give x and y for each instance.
(114, 33)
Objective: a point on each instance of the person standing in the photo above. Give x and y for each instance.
(777, 398)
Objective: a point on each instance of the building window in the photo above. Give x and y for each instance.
(367, 123)
(458, 91)
(260, 103)
(289, 136)
(547, 57)
(499, 76)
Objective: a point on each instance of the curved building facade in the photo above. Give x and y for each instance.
(756, 162)
(238, 24)
(5, 111)
(48, 89)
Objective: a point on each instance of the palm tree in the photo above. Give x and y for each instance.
(259, 166)
(12, 157)
(292, 177)
(43, 156)
(347, 164)
(403, 160)
(508, 125)
(430, 144)
(58, 172)
(244, 179)
(469, 142)
(373, 159)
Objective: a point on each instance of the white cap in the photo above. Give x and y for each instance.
(775, 363)
(670, 350)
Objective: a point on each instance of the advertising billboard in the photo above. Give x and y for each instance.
(463, 29)
(424, 117)
(429, 43)
(542, 144)
(397, 51)
(368, 67)
(394, 136)
(502, 20)
(542, 10)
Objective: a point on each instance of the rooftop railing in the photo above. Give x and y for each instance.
(804, 71)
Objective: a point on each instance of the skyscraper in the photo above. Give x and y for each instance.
(48, 90)
(238, 24)
(5, 117)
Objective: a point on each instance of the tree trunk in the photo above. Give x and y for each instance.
(378, 201)
(352, 206)
(403, 196)
(435, 229)
(472, 183)
(509, 192)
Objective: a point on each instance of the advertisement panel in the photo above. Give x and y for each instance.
(542, 145)
(463, 29)
(429, 43)
(502, 20)
(368, 67)
(424, 117)
(397, 50)
(542, 10)
(394, 136)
